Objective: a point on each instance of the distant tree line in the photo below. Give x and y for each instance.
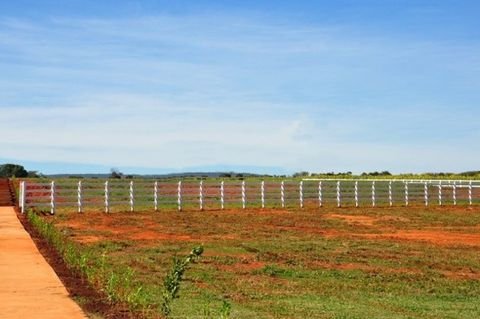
(383, 173)
(387, 174)
(328, 174)
(15, 170)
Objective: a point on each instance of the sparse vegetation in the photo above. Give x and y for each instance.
(118, 283)
(365, 263)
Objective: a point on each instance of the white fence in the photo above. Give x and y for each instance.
(148, 194)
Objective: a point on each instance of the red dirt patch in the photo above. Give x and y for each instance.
(365, 220)
(141, 227)
(435, 237)
(87, 239)
(345, 266)
(173, 226)
(152, 235)
(463, 275)
(393, 219)
(242, 267)
(354, 219)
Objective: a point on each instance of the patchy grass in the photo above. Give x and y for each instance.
(312, 263)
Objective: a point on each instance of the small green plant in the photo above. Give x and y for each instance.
(225, 310)
(223, 313)
(171, 283)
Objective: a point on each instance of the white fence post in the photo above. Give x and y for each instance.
(320, 194)
(155, 195)
(200, 194)
(52, 198)
(262, 193)
(390, 196)
(470, 193)
(300, 190)
(179, 195)
(440, 193)
(244, 198)
(79, 201)
(425, 192)
(454, 193)
(79, 196)
(107, 206)
(373, 193)
(21, 197)
(406, 193)
(222, 194)
(338, 194)
(356, 193)
(130, 196)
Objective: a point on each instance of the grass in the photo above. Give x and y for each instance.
(311, 263)
(117, 282)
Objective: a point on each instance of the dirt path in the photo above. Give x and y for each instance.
(29, 288)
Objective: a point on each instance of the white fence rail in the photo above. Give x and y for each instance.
(147, 194)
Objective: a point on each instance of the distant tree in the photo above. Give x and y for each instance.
(13, 170)
(343, 173)
(115, 173)
(301, 174)
(470, 173)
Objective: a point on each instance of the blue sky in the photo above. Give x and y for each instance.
(263, 86)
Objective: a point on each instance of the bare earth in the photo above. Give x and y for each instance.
(29, 287)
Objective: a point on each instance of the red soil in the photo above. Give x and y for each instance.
(443, 238)
(142, 227)
(242, 267)
(354, 219)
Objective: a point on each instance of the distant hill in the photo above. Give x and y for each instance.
(171, 175)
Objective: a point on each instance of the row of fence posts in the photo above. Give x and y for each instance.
(131, 197)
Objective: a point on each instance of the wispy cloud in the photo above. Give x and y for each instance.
(202, 90)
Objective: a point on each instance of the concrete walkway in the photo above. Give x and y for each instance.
(29, 288)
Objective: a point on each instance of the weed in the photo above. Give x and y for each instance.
(173, 279)
(225, 310)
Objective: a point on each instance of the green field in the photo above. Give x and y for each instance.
(312, 263)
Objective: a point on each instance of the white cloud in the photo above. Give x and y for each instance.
(183, 91)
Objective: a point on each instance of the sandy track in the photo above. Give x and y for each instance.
(29, 288)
